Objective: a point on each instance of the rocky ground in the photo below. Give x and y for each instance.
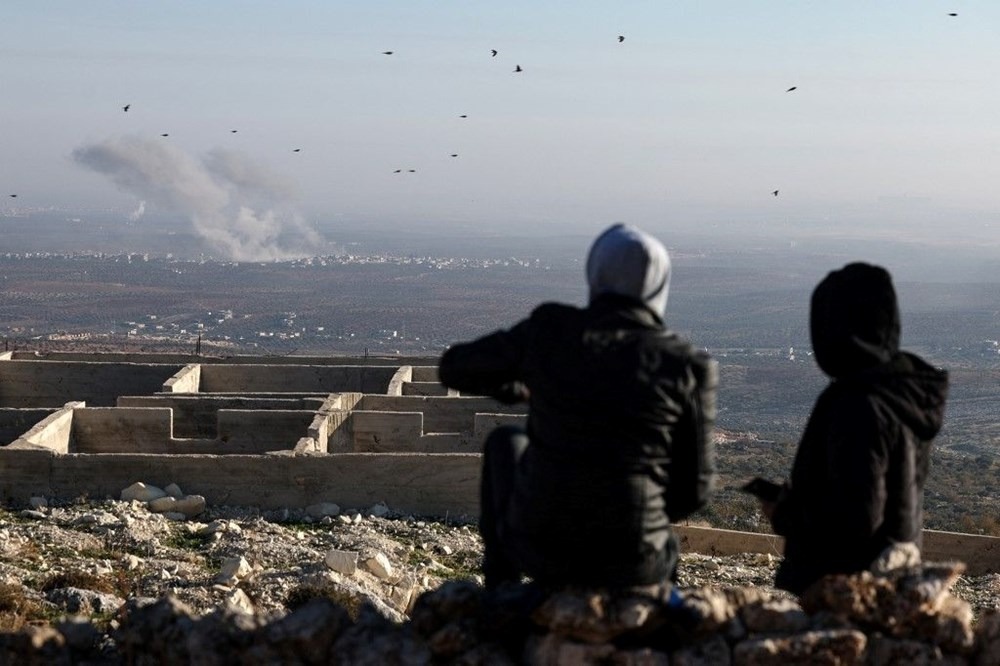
(89, 557)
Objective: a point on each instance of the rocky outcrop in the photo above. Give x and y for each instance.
(902, 616)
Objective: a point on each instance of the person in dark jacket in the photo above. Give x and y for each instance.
(857, 482)
(618, 437)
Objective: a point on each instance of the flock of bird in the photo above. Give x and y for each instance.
(493, 53)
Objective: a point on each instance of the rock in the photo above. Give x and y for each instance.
(322, 510)
(87, 602)
(380, 566)
(38, 502)
(175, 516)
(904, 555)
(711, 652)
(233, 569)
(237, 599)
(843, 646)
(307, 634)
(774, 616)
(553, 650)
(174, 491)
(142, 492)
(189, 506)
(885, 650)
(356, 519)
(79, 634)
(342, 561)
(162, 504)
(34, 515)
(594, 616)
(346, 520)
(214, 527)
(379, 510)
(131, 562)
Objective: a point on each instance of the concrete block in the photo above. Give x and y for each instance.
(122, 430)
(54, 432)
(383, 432)
(441, 414)
(424, 388)
(251, 431)
(484, 424)
(33, 383)
(186, 380)
(401, 376)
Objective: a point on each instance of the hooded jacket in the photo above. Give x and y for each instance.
(619, 423)
(858, 478)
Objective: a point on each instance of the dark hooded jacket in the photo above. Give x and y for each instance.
(858, 478)
(619, 423)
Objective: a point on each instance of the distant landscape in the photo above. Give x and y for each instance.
(69, 282)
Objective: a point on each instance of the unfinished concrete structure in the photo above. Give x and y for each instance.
(282, 432)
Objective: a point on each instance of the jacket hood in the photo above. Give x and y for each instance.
(627, 261)
(854, 320)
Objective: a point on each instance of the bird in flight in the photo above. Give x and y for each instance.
(454, 154)
(13, 196)
(126, 108)
(494, 52)
(775, 193)
(232, 131)
(791, 89)
(621, 38)
(164, 135)
(518, 69)
(412, 170)
(463, 116)
(386, 52)
(398, 171)
(297, 150)
(952, 14)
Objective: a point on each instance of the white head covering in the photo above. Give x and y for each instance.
(627, 261)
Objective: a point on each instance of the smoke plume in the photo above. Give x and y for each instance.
(137, 214)
(238, 208)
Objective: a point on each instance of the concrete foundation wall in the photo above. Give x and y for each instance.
(196, 416)
(421, 485)
(424, 388)
(295, 379)
(487, 423)
(186, 380)
(401, 377)
(52, 434)
(123, 430)
(49, 384)
(441, 414)
(16, 422)
(424, 373)
(184, 359)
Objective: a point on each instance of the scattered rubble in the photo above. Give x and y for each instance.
(112, 580)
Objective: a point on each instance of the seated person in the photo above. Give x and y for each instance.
(618, 438)
(857, 482)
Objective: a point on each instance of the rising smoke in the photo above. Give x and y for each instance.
(238, 208)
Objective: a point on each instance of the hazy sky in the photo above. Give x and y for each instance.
(894, 125)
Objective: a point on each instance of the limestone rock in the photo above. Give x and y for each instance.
(379, 510)
(553, 650)
(38, 502)
(594, 616)
(237, 599)
(812, 647)
(886, 650)
(174, 491)
(342, 561)
(189, 505)
(33, 514)
(774, 616)
(76, 600)
(379, 565)
(142, 492)
(897, 556)
(233, 569)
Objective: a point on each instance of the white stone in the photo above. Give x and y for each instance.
(379, 565)
(38, 502)
(162, 504)
(233, 568)
(174, 491)
(344, 519)
(322, 510)
(141, 492)
(234, 527)
(379, 510)
(356, 519)
(190, 505)
(342, 561)
(446, 550)
(131, 562)
(238, 599)
(213, 527)
(31, 513)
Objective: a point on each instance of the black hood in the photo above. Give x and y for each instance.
(854, 320)
(914, 390)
